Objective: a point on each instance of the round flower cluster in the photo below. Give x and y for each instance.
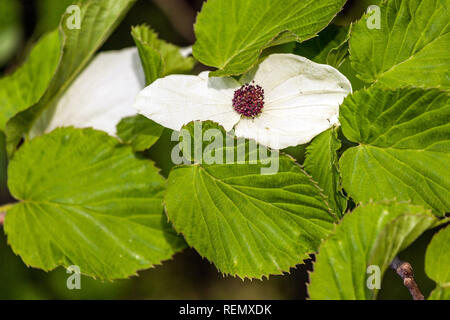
(249, 100)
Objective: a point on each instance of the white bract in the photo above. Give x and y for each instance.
(301, 100)
(100, 97)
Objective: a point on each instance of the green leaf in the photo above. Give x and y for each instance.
(159, 58)
(322, 164)
(440, 294)
(86, 200)
(27, 85)
(437, 259)
(10, 29)
(404, 148)
(329, 47)
(437, 264)
(231, 34)
(247, 223)
(98, 19)
(371, 235)
(138, 131)
(410, 48)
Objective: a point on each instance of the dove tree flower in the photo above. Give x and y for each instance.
(285, 101)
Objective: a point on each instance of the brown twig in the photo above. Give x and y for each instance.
(405, 271)
(2, 217)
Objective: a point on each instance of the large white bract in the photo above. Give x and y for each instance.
(100, 97)
(301, 100)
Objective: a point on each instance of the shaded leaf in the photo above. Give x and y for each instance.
(138, 131)
(329, 47)
(159, 58)
(322, 164)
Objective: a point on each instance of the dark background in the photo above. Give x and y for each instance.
(187, 275)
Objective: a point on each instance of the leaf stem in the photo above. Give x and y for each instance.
(405, 271)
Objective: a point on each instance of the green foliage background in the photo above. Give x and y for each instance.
(187, 275)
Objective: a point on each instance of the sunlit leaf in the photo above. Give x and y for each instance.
(247, 223)
(28, 84)
(231, 34)
(410, 47)
(404, 146)
(86, 200)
